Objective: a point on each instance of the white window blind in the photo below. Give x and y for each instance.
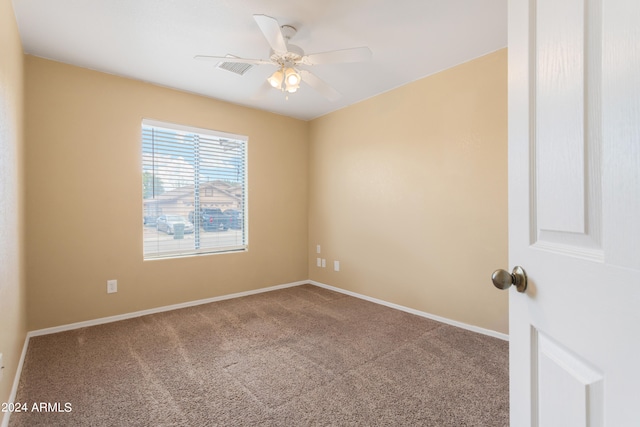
(194, 192)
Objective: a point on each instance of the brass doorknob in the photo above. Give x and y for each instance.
(502, 279)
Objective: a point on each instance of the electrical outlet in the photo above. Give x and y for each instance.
(336, 265)
(317, 249)
(318, 262)
(112, 286)
(324, 263)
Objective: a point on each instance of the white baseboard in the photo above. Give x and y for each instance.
(140, 313)
(468, 327)
(134, 314)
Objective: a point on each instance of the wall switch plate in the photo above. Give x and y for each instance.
(112, 286)
(318, 262)
(324, 263)
(317, 249)
(336, 265)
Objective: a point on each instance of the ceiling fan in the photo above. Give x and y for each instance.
(289, 59)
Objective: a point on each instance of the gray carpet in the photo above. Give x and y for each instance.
(292, 357)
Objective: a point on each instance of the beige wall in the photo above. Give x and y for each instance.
(408, 190)
(84, 195)
(12, 280)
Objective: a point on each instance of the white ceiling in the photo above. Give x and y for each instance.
(155, 41)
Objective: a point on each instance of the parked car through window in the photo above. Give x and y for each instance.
(167, 223)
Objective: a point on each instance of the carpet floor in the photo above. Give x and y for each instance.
(292, 357)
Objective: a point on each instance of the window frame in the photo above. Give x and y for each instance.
(218, 135)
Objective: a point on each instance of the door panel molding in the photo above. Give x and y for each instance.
(564, 385)
(565, 131)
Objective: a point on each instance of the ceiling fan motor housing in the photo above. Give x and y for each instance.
(288, 31)
(294, 55)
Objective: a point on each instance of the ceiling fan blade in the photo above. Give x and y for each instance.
(320, 86)
(231, 59)
(356, 54)
(271, 30)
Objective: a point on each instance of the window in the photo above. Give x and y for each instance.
(194, 194)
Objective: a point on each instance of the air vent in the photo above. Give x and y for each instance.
(235, 67)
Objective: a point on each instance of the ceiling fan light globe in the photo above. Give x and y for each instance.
(273, 83)
(292, 77)
(292, 88)
(276, 79)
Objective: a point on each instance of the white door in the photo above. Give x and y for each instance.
(574, 212)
